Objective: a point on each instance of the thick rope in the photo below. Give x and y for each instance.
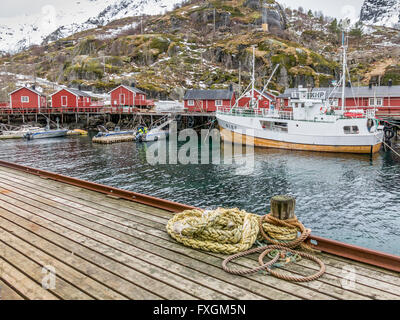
(234, 232)
(226, 231)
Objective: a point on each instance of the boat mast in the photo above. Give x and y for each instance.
(344, 72)
(253, 78)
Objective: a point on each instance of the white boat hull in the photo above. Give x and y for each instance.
(300, 135)
(46, 134)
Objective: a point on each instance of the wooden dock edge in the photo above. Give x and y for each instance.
(355, 253)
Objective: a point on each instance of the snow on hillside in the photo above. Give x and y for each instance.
(381, 13)
(52, 23)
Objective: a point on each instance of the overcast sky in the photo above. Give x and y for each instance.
(334, 8)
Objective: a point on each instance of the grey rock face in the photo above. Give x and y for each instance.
(381, 13)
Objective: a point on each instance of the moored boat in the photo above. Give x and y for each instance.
(312, 125)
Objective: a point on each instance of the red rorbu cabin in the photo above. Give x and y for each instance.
(266, 99)
(208, 100)
(70, 98)
(27, 98)
(124, 96)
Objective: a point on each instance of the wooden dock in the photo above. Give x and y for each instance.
(106, 247)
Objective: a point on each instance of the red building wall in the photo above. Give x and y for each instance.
(263, 103)
(208, 105)
(35, 100)
(121, 97)
(66, 99)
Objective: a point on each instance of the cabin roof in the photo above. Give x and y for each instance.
(132, 89)
(208, 95)
(75, 92)
(31, 89)
(353, 92)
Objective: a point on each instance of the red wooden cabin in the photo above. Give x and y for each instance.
(27, 98)
(124, 96)
(70, 98)
(208, 100)
(267, 99)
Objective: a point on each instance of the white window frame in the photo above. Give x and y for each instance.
(191, 103)
(62, 101)
(334, 102)
(120, 100)
(219, 103)
(379, 102)
(25, 99)
(371, 102)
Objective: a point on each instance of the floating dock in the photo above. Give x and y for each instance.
(106, 243)
(114, 139)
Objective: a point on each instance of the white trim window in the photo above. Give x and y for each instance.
(64, 101)
(218, 103)
(191, 103)
(334, 102)
(122, 99)
(378, 102)
(24, 99)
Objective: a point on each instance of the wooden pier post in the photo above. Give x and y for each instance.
(282, 207)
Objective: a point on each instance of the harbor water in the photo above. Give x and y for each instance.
(349, 198)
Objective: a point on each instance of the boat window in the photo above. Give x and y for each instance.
(266, 125)
(351, 130)
(280, 126)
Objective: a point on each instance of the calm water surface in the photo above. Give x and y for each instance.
(349, 198)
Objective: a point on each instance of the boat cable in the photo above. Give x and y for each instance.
(235, 232)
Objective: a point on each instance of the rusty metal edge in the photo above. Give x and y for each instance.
(340, 249)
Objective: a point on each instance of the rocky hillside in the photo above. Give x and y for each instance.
(205, 44)
(381, 13)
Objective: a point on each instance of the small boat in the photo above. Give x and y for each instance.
(46, 133)
(10, 132)
(157, 133)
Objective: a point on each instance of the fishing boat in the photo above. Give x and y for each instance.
(159, 131)
(313, 125)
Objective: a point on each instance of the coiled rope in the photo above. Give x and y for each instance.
(234, 232)
(226, 231)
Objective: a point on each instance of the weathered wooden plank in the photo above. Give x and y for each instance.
(75, 192)
(77, 251)
(121, 251)
(212, 272)
(354, 296)
(362, 269)
(39, 259)
(23, 284)
(158, 220)
(89, 198)
(7, 293)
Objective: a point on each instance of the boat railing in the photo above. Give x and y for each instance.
(261, 113)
